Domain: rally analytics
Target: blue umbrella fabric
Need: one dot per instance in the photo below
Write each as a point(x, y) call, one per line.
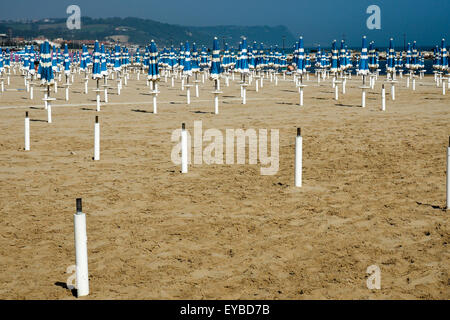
point(96, 68)
point(46, 71)
point(215, 64)
point(66, 60)
point(153, 68)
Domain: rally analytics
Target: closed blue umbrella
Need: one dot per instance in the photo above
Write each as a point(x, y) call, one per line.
point(181, 58)
point(244, 57)
point(32, 58)
point(436, 58)
point(137, 57)
point(301, 69)
point(195, 59)
point(26, 59)
point(172, 59)
point(46, 70)
point(215, 63)
point(103, 68)
point(363, 63)
point(342, 55)
point(187, 70)
point(7, 61)
point(117, 59)
point(372, 57)
point(83, 63)
point(66, 60)
point(334, 58)
point(1, 61)
point(390, 65)
point(96, 68)
point(54, 60)
point(203, 58)
point(153, 69)
point(414, 57)
point(408, 57)
point(444, 56)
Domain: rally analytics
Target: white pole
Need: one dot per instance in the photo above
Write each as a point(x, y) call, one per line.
point(188, 94)
point(67, 93)
point(336, 92)
point(343, 85)
point(96, 139)
point(184, 155)
point(31, 93)
point(98, 101)
point(448, 175)
point(106, 95)
point(196, 90)
point(56, 87)
point(172, 81)
point(216, 104)
point(244, 95)
point(298, 158)
point(414, 84)
point(256, 85)
point(443, 87)
point(393, 91)
point(86, 86)
point(81, 259)
point(301, 96)
point(383, 98)
point(155, 110)
point(27, 132)
point(49, 112)
point(363, 102)
point(407, 82)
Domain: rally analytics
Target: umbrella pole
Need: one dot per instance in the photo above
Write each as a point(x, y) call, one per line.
point(105, 81)
point(98, 94)
point(49, 106)
point(67, 87)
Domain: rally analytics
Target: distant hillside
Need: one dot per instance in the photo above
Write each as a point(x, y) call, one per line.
point(141, 31)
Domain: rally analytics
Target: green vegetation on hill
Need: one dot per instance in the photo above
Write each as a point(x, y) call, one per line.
point(141, 31)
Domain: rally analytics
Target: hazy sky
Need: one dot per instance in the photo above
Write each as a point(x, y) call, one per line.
point(319, 21)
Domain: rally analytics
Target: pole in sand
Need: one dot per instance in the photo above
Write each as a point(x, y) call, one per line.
point(184, 155)
point(27, 132)
point(96, 139)
point(81, 259)
point(298, 158)
point(383, 98)
point(448, 175)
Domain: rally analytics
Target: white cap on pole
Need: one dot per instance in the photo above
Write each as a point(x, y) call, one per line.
point(81, 259)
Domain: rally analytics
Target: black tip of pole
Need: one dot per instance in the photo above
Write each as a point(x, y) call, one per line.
point(79, 205)
point(449, 141)
point(26, 114)
point(299, 132)
point(183, 126)
point(96, 119)
point(382, 86)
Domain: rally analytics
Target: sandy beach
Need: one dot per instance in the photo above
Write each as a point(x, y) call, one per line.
point(373, 194)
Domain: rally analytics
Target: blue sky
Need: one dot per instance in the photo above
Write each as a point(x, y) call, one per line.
point(319, 21)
